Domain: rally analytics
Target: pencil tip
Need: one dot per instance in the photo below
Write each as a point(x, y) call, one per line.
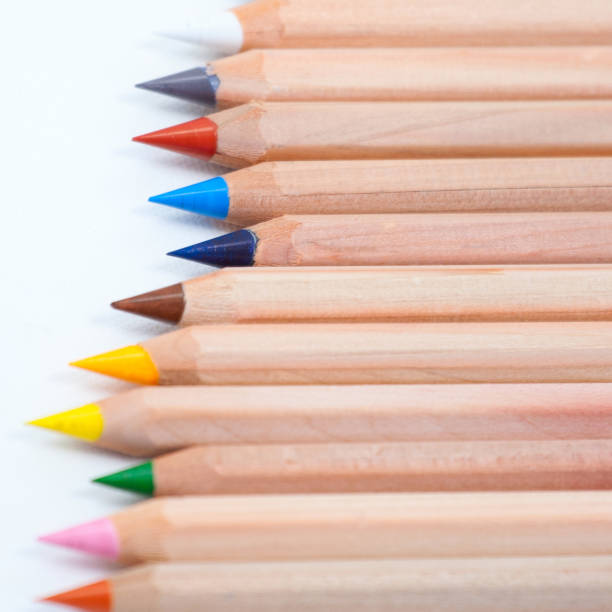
point(193, 85)
point(97, 538)
point(137, 479)
point(229, 250)
point(209, 197)
point(165, 304)
point(95, 597)
point(131, 363)
point(85, 422)
point(197, 138)
point(221, 32)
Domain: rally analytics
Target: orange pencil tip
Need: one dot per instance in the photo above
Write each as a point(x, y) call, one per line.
point(96, 597)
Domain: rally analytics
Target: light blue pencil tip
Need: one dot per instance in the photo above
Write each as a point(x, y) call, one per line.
point(209, 198)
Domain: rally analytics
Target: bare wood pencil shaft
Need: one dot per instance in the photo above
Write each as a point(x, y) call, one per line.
point(386, 466)
point(151, 420)
point(539, 584)
point(425, 239)
point(272, 189)
point(397, 23)
point(383, 353)
point(480, 73)
point(375, 525)
point(453, 293)
point(277, 131)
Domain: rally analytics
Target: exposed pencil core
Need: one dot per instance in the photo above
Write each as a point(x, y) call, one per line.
point(131, 363)
point(96, 538)
point(138, 479)
point(197, 138)
point(95, 597)
point(165, 304)
point(206, 198)
point(230, 250)
point(193, 85)
point(85, 422)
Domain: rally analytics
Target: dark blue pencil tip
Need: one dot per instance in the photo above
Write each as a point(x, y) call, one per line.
point(194, 85)
point(207, 198)
point(230, 250)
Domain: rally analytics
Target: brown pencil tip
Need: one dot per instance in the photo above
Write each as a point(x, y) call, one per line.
point(165, 304)
point(94, 597)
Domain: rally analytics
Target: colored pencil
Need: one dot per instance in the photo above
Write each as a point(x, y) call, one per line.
point(355, 525)
point(328, 294)
point(149, 421)
point(269, 190)
point(372, 467)
point(379, 74)
point(418, 239)
point(536, 584)
point(375, 353)
point(397, 23)
point(284, 131)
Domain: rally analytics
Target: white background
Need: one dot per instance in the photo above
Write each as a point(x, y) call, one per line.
point(77, 233)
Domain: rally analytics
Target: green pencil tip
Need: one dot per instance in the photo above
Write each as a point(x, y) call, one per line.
point(138, 479)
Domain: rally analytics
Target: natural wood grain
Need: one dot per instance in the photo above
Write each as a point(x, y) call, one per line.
point(282, 131)
point(381, 293)
point(382, 74)
point(399, 23)
point(435, 239)
point(384, 353)
point(366, 526)
point(271, 189)
point(151, 420)
point(538, 584)
point(372, 467)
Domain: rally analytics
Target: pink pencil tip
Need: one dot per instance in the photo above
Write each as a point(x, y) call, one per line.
point(96, 538)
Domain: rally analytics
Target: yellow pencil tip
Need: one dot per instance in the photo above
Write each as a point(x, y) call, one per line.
point(86, 422)
point(131, 363)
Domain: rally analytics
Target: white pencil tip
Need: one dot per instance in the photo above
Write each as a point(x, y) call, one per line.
point(221, 32)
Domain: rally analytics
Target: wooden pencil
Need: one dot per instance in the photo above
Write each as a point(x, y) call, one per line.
point(375, 353)
point(397, 23)
point(384, 74)
point(271, 189)
point(351, 526)
point(149, 421)
point(284, 131)
point(372, 467)
point(533, 584)
point(419, 239)
point(344, 294)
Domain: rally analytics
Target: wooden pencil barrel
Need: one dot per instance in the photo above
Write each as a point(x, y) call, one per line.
point(386, 467)
point(384, 353)
point(284, 131)
point(384, 74)
point(419, 23)
point(366, 526)
point(539, 584)
point(453, 293)
point(272, 189)
point(151, 420)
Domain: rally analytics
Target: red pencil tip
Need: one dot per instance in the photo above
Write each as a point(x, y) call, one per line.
point(94, 597)
point(197, 138)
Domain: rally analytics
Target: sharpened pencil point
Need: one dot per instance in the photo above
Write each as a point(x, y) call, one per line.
point(131, 363)
point(209, 198)
point(194, 85)
point(229, 250)
point(197, 138)
point(138, 479)
point(85, 422)
point(165, 304)
point(96, 538)
point(94, 597)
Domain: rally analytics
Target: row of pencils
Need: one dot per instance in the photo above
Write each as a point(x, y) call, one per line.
point(396, 394)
